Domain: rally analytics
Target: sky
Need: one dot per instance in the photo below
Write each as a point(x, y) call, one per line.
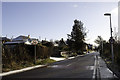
point(54, 20)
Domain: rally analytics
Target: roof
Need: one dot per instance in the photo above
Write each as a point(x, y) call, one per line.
point(20, 38)
point(18, 42)
point(8, 43)
point(4, 38)
point(32, 39)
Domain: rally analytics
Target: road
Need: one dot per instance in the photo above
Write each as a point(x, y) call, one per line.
point(79, 67)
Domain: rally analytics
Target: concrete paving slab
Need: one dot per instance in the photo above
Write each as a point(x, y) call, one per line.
point(105, 72)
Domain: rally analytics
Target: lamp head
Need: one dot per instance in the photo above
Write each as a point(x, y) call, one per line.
point(107, 14)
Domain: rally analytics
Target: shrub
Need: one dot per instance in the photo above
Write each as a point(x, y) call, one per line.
point(21, 55)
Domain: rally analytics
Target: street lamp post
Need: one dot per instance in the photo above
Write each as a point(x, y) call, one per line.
point(35, 55)
point(111, 38)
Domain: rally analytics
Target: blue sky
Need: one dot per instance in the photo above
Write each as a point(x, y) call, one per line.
point(54, 20)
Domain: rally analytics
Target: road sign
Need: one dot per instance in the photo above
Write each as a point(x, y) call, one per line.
point(34, 42)
point(111, 40)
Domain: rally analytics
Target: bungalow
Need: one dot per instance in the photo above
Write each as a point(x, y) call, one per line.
point(4, 39)
point(23, 39)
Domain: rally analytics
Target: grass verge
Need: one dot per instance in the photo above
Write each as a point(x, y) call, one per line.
point(17, 66)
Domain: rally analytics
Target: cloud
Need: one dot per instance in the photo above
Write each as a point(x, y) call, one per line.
point(75, 5)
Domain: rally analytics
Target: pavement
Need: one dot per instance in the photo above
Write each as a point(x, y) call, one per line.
point(102, 71)
point(90, 66)
point(57, 59)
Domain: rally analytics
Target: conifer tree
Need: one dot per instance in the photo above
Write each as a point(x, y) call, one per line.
point(77, 37)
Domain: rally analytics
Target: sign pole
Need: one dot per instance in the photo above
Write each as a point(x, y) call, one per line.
point(34, 42)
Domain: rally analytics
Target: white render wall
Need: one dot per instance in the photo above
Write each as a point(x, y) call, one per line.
point(119, 21)
point(119, 32)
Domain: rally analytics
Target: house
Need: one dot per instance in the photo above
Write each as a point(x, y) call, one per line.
point(33, 41)
point(23, 39)
point(4, 39)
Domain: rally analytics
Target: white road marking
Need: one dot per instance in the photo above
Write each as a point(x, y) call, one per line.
point(94, 71)
point(54, 66)
point(109, 70)
point(69, 65)
point(90, 67)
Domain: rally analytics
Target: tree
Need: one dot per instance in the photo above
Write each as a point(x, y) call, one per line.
point(77, 37)
point(62, 45)
point(98, 40)
point(100, 43)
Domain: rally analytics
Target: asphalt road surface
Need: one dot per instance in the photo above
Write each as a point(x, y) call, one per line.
point(79, 67)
